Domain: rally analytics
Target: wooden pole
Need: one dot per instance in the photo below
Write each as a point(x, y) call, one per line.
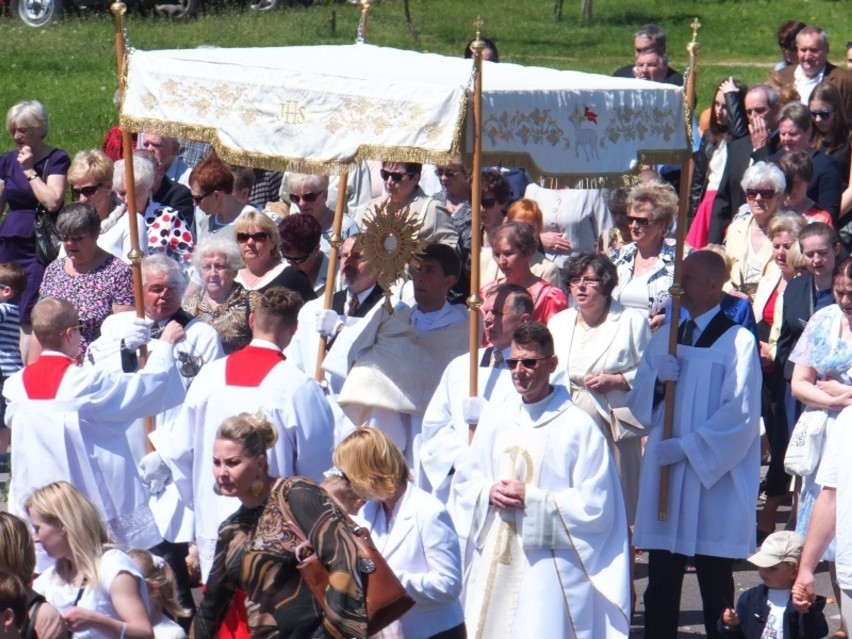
point(135, 255)
point(676, 289)
point(474, 302)
point(331, 275)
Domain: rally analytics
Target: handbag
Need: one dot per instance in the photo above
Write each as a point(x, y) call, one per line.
point(385, 597)
point(805, 447)
point(45, 234)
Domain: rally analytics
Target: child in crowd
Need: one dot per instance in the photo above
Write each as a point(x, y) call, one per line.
point(162, 593)
point(766, 611)
point(13, 281)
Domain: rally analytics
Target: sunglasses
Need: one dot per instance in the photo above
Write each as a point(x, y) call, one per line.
point(260, 236)
point(487, 202)
point(641, 221)
point(198, 199)
point(78, 327)
point(450, 173)
point(766, 194)
point(584, 281)
point(71, 238)
point(307, 197)
point(822, 115)
point(395, 176)
point(295, 260)
point(527, 362)
point(88, 191)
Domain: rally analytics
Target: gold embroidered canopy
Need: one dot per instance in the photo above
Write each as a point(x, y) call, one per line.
point(323, 109)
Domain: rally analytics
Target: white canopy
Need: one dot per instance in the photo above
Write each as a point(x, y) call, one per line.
point(321, 109)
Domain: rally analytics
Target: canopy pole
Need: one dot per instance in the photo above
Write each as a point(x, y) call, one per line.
point(676, 289)
point(474, 302)
point(119, 9)
point(331, 275)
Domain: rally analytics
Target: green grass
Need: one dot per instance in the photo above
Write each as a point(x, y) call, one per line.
point(70, 66)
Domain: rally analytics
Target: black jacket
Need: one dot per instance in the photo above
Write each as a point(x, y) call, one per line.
point(753, 608)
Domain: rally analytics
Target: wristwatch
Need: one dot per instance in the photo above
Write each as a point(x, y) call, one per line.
point(32, 177)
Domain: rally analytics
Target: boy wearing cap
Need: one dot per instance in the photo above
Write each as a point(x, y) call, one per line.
point(766, 611)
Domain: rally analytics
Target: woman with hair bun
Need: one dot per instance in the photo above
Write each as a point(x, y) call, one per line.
point(255, 552)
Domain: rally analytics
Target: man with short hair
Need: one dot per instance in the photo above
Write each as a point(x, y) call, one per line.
point(256, 378)
point(762, 106)
point(69, 423)
point(166, 149)
point(651, 39)
point(548, 552)
point(713, 455)
point(814, 67)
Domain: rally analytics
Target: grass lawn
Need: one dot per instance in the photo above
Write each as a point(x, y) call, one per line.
point(70, 66)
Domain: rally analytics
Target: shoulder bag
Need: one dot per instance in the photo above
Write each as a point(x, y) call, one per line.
point(805, 447)
point(44, 229)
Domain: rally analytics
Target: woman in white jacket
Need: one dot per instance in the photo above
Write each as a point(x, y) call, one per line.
point(412, 530)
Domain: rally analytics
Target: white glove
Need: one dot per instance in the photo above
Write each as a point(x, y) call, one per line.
point(668, 367)
point(139, 333)
point(472, 409)
point(154, 472)
point(328, 323)
point(670, 451)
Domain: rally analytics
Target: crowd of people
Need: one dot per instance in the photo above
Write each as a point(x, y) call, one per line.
point(231, 431)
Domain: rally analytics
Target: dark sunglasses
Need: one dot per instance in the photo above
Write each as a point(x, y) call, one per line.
point(395, 176)
point(766, 194)
point(295, 260)
point(88, 191)
point(822, 115)
point(307, 197)
point(450, 173)
point(260, 236)
point(641, 221)
point(71, 238)
point(527, 362)
point(198, 199)
point(487, 202)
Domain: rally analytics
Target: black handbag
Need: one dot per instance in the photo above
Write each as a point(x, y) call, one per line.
point(44, 230)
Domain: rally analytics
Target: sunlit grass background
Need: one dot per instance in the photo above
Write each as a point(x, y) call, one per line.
point(70, 66)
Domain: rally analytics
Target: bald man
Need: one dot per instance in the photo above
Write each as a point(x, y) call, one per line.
point(713, 455)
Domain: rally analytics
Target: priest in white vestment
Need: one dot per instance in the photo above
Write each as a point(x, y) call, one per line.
point(548, 550)
point(713, 455)
point(68, 423)
point(256, 378)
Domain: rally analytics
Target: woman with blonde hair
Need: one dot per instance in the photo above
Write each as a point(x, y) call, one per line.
point(256, 549)
point(162, 589)
point(17, 556)
point(411, 528)
point(97, 587)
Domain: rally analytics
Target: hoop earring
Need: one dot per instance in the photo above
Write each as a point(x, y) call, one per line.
point(256, 487)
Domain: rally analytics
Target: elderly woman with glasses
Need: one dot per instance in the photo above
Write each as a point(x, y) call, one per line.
point(646, 265)
point(92, 180)
point(309, 193)
point(95, 281)
point(401, 181)
point(221, 301)
point(748, 244)
point(258, 239)
point(599, 344)
point(31, 176)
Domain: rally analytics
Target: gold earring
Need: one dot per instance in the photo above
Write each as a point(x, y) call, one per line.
point(256, 487)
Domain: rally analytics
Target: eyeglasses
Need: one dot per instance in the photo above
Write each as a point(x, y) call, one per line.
point(487, 202)
point(198, 199)
point(260, 236)
point(78, 327)
point(88, 191)
point(71, 238)
point(584, 281)
point(822, 115)
point(306, 197)
point(450, 173)
point(395, 176)
point(766, 194)
point(527, 362)
point(641, 221)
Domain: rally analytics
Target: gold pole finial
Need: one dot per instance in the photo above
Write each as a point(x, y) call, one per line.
point(696, 25)
point(478, 24)
point(478, 44)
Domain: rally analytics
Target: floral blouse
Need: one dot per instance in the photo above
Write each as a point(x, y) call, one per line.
point(821, 348)
point(659, 281)
point(254, 554)
point(230, 319)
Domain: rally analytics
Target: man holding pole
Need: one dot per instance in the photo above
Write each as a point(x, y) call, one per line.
point(712, 458)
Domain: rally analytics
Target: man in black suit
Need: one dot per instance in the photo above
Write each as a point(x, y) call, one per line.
point(650, 39)
point(762, 105)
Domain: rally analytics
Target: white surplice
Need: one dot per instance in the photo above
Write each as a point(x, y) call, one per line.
point(711, 495)
point(291, 400)
point(80, 437)
point(560, 566)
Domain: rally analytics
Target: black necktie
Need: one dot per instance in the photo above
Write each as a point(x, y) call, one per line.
point(688, 334)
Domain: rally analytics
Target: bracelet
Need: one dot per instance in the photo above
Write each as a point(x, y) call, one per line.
point(123, 630)
point(30, 178)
